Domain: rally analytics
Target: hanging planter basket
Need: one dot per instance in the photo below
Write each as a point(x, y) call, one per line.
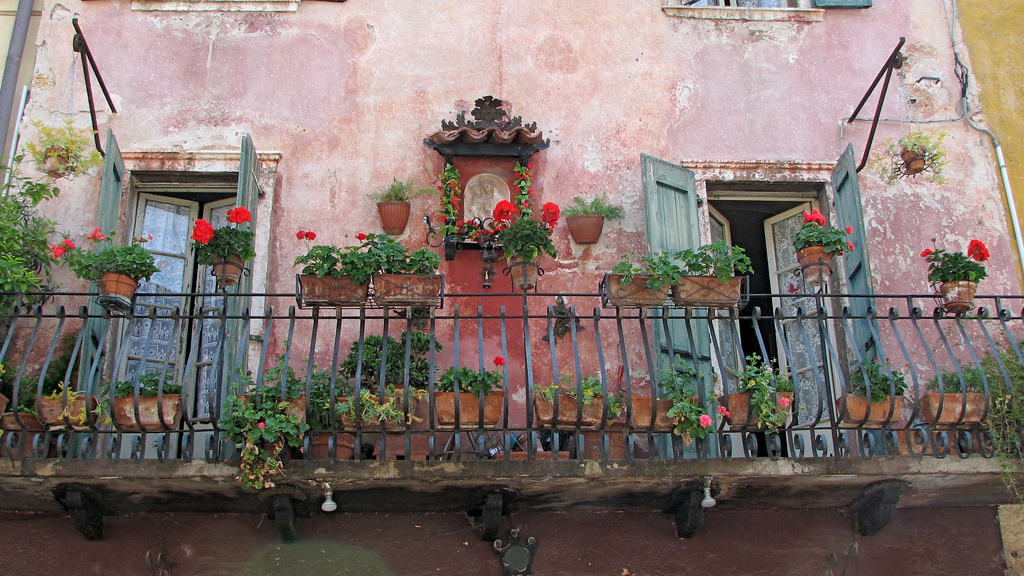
point(815, 265)
point(227, 271)
point(585, 228)
point(524, 274)
point(394, 216)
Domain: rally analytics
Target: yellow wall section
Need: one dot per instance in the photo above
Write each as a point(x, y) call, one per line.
point(995, 39)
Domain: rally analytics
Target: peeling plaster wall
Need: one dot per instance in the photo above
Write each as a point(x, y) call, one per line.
point(346, 92)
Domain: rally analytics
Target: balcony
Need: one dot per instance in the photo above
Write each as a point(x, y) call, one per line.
point(932, 450)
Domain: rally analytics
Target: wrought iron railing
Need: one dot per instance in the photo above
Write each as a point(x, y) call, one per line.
point(815, 341)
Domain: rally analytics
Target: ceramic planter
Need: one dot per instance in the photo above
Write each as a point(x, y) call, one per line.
point(524, 273)
point(227, 271)
point(567, 411)
point(585, 228)
point(394, 216)
point(344, 447)
point(641, 415)
point(20, 421)
point(815, 265)
point(329, 291)
point(116, 291)
point(952, 406)
point(3, 403)
point(149, 413)
point(739, 409)
point(391, 290)
point(958, 295)
point(55, 163)
point(913, 162)
point(51, 412)
point(707, 292)
point(635, 293)
point(853, 410)
point(469, 409)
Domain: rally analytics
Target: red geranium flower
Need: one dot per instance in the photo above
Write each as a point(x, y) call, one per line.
point(58, 251)
point(310, 235)
point(549, 213)
point(239, 215)
point(360, 236)
point(202, 232)
point(499, 361)
point(926, 252)
point(505, 211)
point(97, 234)
point(300, 234)
point(68, 242)
point(814, 216)
point(849, 229)
point(978, 251)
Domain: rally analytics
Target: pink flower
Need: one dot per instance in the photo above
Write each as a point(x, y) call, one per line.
point(262, 425)
point(69, 243)
point(239, 215)
point(724, 411)
point(499, 361)
point(784, 401)
point(705, 420)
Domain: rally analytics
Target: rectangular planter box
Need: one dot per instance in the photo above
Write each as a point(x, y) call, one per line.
point(739, 409)
point(149, 416)
point(952, 407)
point(641, 416)
point(391, 290)
point(634, 294)
point(51, 409)
point(857, 407)
point(707, 292)
point(329, 291)
point(567, 411)
point(469, 409)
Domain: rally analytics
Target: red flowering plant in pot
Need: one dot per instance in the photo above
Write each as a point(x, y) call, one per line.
point(117, 269)
point(523, 237)
point(226, 248)
point(333, 276)
point(816, 243)
point(955, 275)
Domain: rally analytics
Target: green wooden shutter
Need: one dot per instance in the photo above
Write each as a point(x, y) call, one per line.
point(108, 213)
point(670, 201)
point(842, 3)
point(850, 213)
point(248, 195)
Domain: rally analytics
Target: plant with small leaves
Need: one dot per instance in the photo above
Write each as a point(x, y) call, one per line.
point(678, 385)
point(372, 410)
point(891, 165)
point(395, 365)
point(878, 375)
point(757, 380)
point(262, 427)
point(597, 206)
point(946, 266)
point(68, 148)
point(226, 242)
point(816, 232)
point(718, 259)
point(132, 260)
point(662, 268)
point(398, 191)
point(479, 384)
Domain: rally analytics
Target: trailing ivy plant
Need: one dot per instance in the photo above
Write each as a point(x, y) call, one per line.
point(597, 206)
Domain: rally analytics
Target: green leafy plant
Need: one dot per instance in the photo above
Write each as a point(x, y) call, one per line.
point(394, 367)
point(597, 206)
point(591, 389)
point(398, 191)
point(816, 232)
point(262, 427)
point(877, 373)
point(679, 386)
point(225, 242)
point(891, 165)
point(946, 266)
point(479, 384)
point(371, 409)
point(70, 144)
point(149, 385)
point(756, 379)
point(525, 238)
point(132, 260)
point(662, 268)
point(717, 259)
point(25, 255)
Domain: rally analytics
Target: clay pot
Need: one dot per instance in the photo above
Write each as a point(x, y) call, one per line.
point(913, 162)
point(51, 409)
point(344, 447)
point(852, 410)
point(524, 273)
point(958, 295)
point(567, 411)
point(329, 291)
point(815, 265)
point(469, 408)
point(227, 271)
point(394, 216)
point(149, 416)
point(373, 424)
point(407, 289)
point(635, 293)
point(9, 421)
point(55, 162)
point(952, 407)
point(707, 291)
point(641, 416)
point(585, 228)
point(3, 403)
point(116, 291)
point(739, 408)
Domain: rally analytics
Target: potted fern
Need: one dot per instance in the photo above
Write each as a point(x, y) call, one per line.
point(912, 154)
point(393, 204)
point(585, 218)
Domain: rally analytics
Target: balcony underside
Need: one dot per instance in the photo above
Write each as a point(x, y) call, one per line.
point(399, 486)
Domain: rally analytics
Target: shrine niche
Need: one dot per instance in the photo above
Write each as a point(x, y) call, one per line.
point(484, 162)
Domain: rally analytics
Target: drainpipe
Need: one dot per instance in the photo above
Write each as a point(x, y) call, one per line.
point(1006, 184)
point(12, 67)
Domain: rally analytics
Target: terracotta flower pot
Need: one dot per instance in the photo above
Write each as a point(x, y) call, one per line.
point(567, 411)
point(407, 289)
point(524, 273)
point(3, 403)
point(635, 293)
point(394, 216)
point(344, 447)
point(815, 264)
point(853, 409)
point(116, 291)
point(51, 411)
point(149, 416)
point(10, 421)
point(329, 291)
point(227, 271)
point(641, 416)
point(952, 407)
point(707, 291)
point(958, 295)
point(739, 408)
point(349, 422)
point(469, 408)
point(585, 228)
point(913, 162)
point(55, 162)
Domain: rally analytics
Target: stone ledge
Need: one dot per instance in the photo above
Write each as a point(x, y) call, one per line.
point(751, 14)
